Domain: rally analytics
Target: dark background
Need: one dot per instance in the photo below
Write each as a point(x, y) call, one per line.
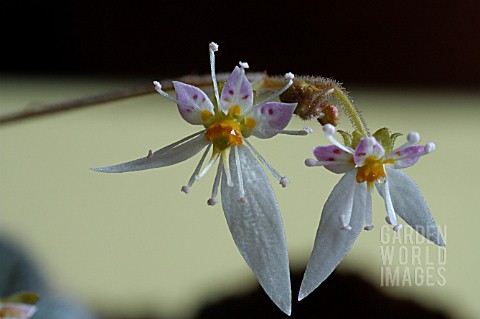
point(408, 43)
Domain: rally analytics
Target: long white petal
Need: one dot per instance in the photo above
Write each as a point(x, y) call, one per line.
point(257, 227)
point(163, 157)
point(410, 205)
point(331, 243)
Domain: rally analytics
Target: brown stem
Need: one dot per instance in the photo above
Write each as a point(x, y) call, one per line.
point(197, 80)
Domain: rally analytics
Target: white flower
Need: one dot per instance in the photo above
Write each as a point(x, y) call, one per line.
point(349, 207)
point(248, 200)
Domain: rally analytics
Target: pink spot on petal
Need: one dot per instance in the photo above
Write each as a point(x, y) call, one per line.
point(270, 111)
point(336, 151)
point(331, 159)
point(195, 97)
point(203, 100)
point(362, 154)
point(231, 92)
point(245, 97)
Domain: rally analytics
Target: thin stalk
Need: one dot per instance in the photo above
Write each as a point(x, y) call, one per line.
point(351, 110)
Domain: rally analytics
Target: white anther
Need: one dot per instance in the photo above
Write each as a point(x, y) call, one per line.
point(368, 227)
point(329, 129)
point(185, 189)
point(429, 147)
point(211, 201)
point(413, 137)
point(158, 86)
point(310, 162)
point(348, 227)
point(213, 46)
point(244, 65)
point(397, 227)
point(289, 76)
point(284, 181)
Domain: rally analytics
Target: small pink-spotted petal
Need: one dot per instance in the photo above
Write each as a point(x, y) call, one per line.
point(407, 157)
point(271, 117)
point(192, 102)
point(341, 161)
point(367, 147)
point(237, 91)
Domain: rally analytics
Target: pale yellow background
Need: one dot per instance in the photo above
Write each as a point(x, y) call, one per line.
point(134, 242)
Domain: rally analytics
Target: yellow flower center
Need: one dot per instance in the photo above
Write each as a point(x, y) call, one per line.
point(224, 134)
point(371, 171)
point(225, 131)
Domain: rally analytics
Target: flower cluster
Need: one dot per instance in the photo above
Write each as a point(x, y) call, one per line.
point(368, 161)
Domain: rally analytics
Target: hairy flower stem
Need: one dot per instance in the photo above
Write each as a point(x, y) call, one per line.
point(351, 110)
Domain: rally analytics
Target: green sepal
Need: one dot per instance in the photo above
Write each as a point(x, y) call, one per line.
point(386, 139)
point(383, 137)
point(25, 297)
point(347, 138)
point(356, 136)
point(393, 137)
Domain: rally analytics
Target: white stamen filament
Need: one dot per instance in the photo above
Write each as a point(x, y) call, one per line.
point(212, 200)
point(198, 168)
point(239, 172)
point(213, 47)
point(158, 88)
point(329, 130)
point(289, 76)
point(226, 165)
point(368, 208)
point(305, 131)
point(392, 217)
point(345, 218)
point(310, 162)
point(272, 170)
point(207, 167)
